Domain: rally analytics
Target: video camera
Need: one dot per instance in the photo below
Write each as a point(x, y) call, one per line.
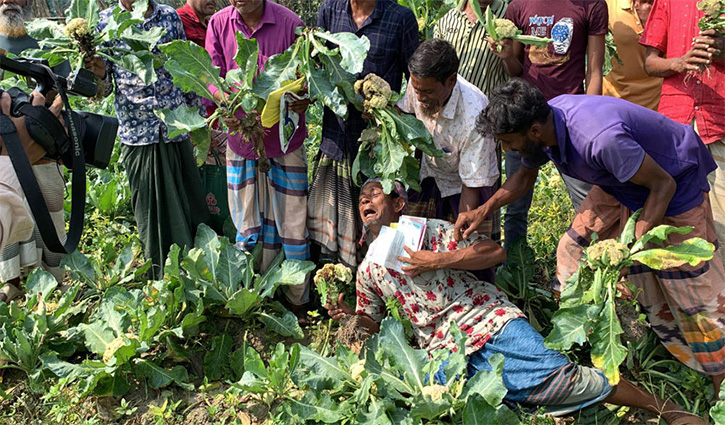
point(96, 132)
point(88, 141)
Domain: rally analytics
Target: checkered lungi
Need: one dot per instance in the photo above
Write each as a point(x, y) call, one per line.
point(334, 222)
point(271, 207)
point(684, 305)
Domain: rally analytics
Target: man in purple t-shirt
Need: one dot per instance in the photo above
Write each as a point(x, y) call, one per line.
point(635, 158)
point(267, 207)
point(570, 64)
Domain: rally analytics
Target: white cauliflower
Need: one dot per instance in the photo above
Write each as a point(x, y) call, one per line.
point(505, 28)
point(435, 391)
point(375, 91)
point(357, 369)
point(607, 253)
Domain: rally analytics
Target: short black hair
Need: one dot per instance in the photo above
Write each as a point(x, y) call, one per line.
point(512, 108)
point(434, 58)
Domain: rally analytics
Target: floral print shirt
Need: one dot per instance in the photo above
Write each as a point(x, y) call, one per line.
point(433, 299)
point(135, 100)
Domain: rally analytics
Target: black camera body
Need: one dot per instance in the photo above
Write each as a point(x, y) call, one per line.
point(97, 133)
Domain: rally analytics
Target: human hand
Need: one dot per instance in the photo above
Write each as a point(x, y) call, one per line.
point(696, 59)
point(715, 42)
point(642, 227)
point(507, 47)
point(33, 151)
point(340, 309)
point(469, 221)
point(299, 106)
point(420, 262)
point(96, 65)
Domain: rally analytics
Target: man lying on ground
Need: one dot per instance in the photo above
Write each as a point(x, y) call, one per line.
point(436, 289)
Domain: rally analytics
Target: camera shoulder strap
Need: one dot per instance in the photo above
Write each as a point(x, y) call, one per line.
point(34, 196)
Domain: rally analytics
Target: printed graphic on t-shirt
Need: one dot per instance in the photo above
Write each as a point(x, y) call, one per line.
point(562, 32)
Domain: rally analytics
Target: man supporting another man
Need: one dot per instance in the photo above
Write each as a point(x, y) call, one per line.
point(437, 289)
point(268, 208)
point(636, 158)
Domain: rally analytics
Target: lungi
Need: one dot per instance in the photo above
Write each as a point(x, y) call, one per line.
point(271, 207)
point(684, 305)
point(333, 219)
point(166, 197)
point(33, 252)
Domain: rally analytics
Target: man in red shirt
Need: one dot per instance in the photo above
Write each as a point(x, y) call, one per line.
point(693, 66)
point(194, 15)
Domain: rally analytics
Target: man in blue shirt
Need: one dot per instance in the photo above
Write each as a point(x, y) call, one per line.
point(165, 183)
point(393, 33)
point(635, 158)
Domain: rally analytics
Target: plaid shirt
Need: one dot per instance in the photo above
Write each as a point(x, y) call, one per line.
point(393, 34)
point(135, 101)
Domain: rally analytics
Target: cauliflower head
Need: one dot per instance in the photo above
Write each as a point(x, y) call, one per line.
point(607, 253)
point(435, 392)
point(77, 28)
point(505, 28)
point(710, 7)
point(357, 369)
point(375, 91)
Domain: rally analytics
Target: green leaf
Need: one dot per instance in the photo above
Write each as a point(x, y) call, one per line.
point(278, 69)
point(426, 409)
point(41, 29)
point(67, 370)
point(98, 336)
point(321, 373)
point(412, 130)
point(658, 236)
point(286, 325)
point(353, 49)
point(159, 377)
point(405, 359)
point(190, 66)
point(234, 267)
point(79, 267)
point(181, 120)
point(201, 140)
point(138, 63)
point(216, 360)
point(322, 89)
point(488, 383)
point(628, 233)
point(478, 412)
point(253, 363)
point(86, 9)
point(692, 251)
point(246, 58)
point(208, 241)
point(241, 303)
point(40, 282)
point(290, 272)
point(607, 349)
point(125, 352)
point(140, 40)
point(314, 408)
point(112, 385)
point(571, 326)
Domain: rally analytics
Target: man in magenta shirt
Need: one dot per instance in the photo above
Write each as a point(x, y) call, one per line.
point(636, 159)
point(268, 208)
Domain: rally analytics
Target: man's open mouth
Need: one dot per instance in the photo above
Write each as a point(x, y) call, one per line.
point(369, 212)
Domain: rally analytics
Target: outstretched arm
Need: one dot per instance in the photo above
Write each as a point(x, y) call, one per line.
point(478, 256)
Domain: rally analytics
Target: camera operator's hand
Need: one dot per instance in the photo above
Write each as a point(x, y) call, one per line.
point(33, 150)
point(96, 65)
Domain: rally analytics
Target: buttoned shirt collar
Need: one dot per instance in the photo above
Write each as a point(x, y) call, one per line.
point(377, 14)
point(267, 18)
point(449, 110)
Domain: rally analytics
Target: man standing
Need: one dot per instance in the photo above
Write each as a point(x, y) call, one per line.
point(693, 92)
point(32, 252)
point(195, 16)
point(637, 159)
point(268, 208)
point(629, 80)
point(478, 65)
point(165, 183)
point(437, 290)
point(448, 105)
point(393, 33)
point(570, 64)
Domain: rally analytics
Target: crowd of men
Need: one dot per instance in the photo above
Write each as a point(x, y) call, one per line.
point(655, 141)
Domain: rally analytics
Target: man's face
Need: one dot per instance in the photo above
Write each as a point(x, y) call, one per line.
point(203, 8)
point(431, 93)
point(376, 208)
point(643, 8)
point(245, 7)
point(527, 147)
point(13, 14)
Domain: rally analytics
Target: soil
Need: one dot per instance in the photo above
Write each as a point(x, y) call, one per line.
point(634, 330)
point(351, 333)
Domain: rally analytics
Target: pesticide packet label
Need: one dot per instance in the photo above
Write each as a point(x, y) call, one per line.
point(390, 243)
point(289, 121)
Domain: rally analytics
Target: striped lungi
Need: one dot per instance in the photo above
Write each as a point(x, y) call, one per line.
point(684, 305)
point(334, 222)
point(717, 191)
point(272, 207)
point(33, 252)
